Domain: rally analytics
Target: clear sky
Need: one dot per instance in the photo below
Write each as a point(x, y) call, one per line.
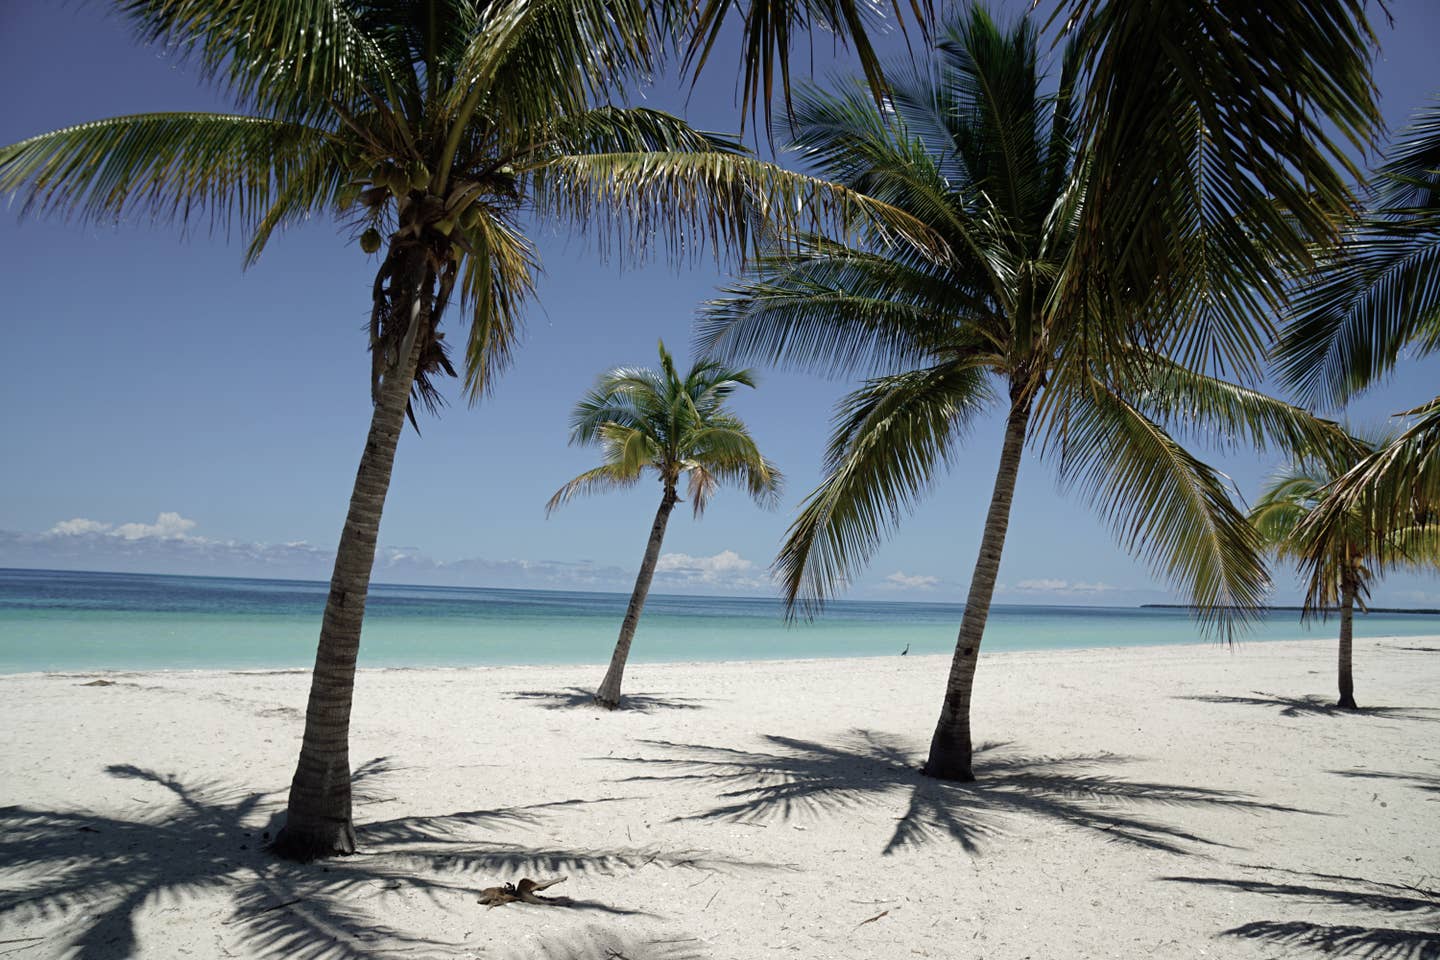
point(168, 411)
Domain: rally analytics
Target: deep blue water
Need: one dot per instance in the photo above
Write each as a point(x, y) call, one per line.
point(62, 620)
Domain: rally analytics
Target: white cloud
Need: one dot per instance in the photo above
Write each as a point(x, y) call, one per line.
point(725, 569)
point(724, 562)
point(900, 580)
point(1052, 585)
point(167, 526)
point(77, 527)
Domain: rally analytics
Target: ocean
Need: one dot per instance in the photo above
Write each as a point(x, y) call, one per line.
point(66, 621)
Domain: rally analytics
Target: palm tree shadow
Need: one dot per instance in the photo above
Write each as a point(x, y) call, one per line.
point(601, 943)
point(1369, 901)
point(1427, 782)
point(1315, 705)
point(572, 697)
point(799, 779)
point(96, 872)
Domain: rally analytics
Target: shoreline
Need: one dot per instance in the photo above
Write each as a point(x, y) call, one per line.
point(1214, 647)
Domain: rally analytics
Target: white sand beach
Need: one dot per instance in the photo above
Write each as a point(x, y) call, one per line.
point(1162, 802)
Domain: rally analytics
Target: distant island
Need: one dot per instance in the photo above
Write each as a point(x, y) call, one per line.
point(1187, 606)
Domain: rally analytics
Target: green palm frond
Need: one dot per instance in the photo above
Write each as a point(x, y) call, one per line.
point(610, 129)
point(497, 280)
point(826, 306)
point(725, 201)
point(769, 29)
point(1395, 488)
point(174, 166)
point(289, 58)
point(601, 479)
point(1165, 505)
point(1229, 415)
point(516, 51)
point(891, 438)
point(1379, 289)
point(1198, 115)
point(1282, 507)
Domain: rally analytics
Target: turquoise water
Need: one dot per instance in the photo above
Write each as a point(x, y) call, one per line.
point(55, 620)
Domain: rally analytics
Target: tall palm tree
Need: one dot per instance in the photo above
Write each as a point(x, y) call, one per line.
point(1363, 303)
point(971, 145)
point(678, 427)
point(431, 129)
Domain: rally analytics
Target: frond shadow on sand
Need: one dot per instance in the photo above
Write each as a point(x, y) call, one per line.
point(1392, 921)
point(795, 779)
point(593, 942)
point(1314, 705)
point(572, 697)
point(1427, 782)
point(86, 876)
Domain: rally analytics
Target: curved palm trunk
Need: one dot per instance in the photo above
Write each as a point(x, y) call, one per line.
point(608, 695)
point(318, 822)
point(950, 747)
point(1347, 626)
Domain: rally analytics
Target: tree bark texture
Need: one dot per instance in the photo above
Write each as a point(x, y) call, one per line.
point(951, 750)
point(1348, 587)
point(318, 820)
point(608, 695)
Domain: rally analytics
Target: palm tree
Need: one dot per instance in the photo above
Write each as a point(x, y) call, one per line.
point(1279, 516)
point(431, 130)
point(971, 145)
point(645, 419)
point(1337, 559)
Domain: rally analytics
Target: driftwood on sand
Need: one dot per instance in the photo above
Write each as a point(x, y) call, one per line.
point(522, 892)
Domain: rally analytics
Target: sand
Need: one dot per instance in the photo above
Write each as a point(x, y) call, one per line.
point(1164, 802)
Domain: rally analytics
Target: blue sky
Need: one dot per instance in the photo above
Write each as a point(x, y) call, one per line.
point(171, 412)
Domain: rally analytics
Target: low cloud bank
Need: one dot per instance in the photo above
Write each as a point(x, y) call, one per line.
point(171, 545)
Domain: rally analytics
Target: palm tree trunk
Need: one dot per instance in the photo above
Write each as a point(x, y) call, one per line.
point(1347, 626)
point(318, 821)
point(950, 747)
point(608, 695)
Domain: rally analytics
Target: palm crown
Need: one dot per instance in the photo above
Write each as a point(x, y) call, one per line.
point(973, 148)
point(646, 419)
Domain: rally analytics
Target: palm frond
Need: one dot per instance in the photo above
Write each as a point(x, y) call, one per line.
point(518, 49)
point(1164, 505)
point(769, 29)
point(1201, 115)
point(289, 59)
point(891, 438)
point(601, 479)
point(1379, 289)
point(831, 308)
point(609, 129)
point(497, 280)
point(688, 202)
point(1395, 488)
point(175, 166)
point(1229, 415)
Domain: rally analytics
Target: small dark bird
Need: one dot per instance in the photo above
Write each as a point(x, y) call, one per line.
point(906, 650)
